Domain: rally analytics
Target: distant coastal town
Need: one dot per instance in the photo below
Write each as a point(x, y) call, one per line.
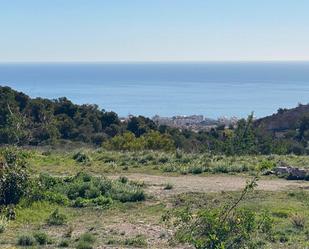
point(192, 122)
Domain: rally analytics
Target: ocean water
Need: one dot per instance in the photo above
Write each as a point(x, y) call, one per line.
point(167, 89)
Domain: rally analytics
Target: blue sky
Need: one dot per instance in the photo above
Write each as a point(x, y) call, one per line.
point(154, 30)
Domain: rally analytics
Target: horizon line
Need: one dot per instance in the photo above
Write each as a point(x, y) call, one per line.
point(152, 61)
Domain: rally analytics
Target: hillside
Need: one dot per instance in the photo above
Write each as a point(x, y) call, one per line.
point(284, 119)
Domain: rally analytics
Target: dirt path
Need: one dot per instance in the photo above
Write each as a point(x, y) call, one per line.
point(216, 183)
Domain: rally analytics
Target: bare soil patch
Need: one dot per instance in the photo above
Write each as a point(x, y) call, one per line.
point(215, 183)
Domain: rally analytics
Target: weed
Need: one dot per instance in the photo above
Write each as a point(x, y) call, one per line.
point(87, 237)
point(86, 241)
point(81, 157)
point(42, 238)
point(3, 223)
point(168, 186)
point(137, 241)
point(56, 218)
point(298, 221)
point(64, 243)
point(69, 231)
point(26, 240)
point(123, 179)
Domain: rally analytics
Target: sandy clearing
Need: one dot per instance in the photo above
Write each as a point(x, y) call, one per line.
point(215, 183)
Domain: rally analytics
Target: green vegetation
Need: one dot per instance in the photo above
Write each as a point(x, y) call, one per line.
point(222, 227)
point(26, 240)
point(42, 238)
point(60, 123)
point(84, 208)
point(86, 241)
point(152, 140)
point(56, 218)
point(70, 185)
point(156, 162)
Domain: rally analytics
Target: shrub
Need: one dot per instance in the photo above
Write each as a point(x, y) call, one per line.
point(81, 157)
point(221, 169)
point(42, 238)
point(14, 177)
point(87, 237)
point(103, 201)
point(267, 165)
point(64, 243)
point(68, 232)
point(3, 223)
point(163, 159)
point(137, 241)
point(80, 202)
point(196, 170)
point(26, 240)
point(298, 221)
point(86, 241)
point(168, 186)
point(228, 226)
point(126, 193)
point(152, 140)
point(123, 179)
point(169, 168)
point(57, 198)
point(84, 245)
point(56, 218)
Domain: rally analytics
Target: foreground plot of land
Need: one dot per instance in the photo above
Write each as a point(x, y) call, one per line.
point(140, 225)
point(214, 183)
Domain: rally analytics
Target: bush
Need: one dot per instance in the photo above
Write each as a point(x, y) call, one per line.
point(196, 170)
point(81, 157)
point(152, 140)
point(57, 198)
point(228, 226)
point(298, 221)
point(103, 201)
point(169, 168)
point(85, 190)
point(64, 243)
point(221, 169)
point(86, 241)
point(126, 193)
point(80, 202)
point(14, 177)
point(168, 186)
point(84, 245)
point(3, 223)
point(123, 179)
point(137, 241)
point(56, 218)
point(26, 240)
point(42, 238)
point(87, 237)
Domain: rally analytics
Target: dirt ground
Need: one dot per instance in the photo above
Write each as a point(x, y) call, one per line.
point(215, 183)
point(187, 184)
point(145, 217)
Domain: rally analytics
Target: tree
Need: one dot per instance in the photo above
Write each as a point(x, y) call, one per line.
point(14, 131)
point(244, 139)
point(303, 134)
point(140, 125)
point(14, 176)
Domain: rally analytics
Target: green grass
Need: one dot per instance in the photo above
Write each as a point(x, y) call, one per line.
point(97, 214)
point(99, 161)
point(282, 206)
point(289, 211)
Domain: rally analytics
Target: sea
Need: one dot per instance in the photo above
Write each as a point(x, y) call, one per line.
point(212, 89)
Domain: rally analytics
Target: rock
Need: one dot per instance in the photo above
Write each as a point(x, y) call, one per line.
point(292, 173)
